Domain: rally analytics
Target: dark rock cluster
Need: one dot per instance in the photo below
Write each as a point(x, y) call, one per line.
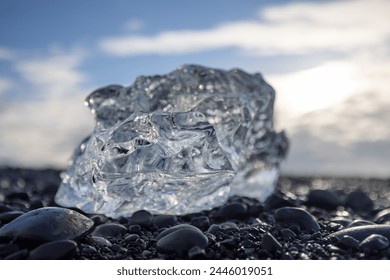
point(305, 218)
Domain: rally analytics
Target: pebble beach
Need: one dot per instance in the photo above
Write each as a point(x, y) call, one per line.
point(306, 218)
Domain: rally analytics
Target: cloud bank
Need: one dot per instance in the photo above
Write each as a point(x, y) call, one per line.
point(44, 129)
point(296, 28)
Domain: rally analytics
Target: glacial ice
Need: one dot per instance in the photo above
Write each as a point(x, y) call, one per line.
point(175, 144)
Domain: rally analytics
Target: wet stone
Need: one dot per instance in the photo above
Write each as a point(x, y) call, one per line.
point(175, 228)
point(359, 201)
point(214, 229)
point(181, 238)
point(325, 199)
point(247, 243)
point(383, 217)
point(357, 223)
point(164, 221)
point(344, 221)
point(135, 229)
point(362, 232)
point(233, 210)
point(88, 250)
point(291, 215)
point(54, 250)
point(270, 244)
point(6, 217)
point(98, 219)
point(348, 242)
point(255, 210)
point(374, 243)
point(146, 254)
point(196, 253)
point(100, 241)
point(288, 233)
point(7, 249)
point(131, 238)
point(47, 224)
point(142, 218)
point(201, 222)
point(278, 200)
point(226, 227)
point(18, 255)
point(109, 230)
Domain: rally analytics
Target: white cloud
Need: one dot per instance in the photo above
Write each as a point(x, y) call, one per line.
point(54, 75)
point(290, 29)
point(6, 54)
point(5, 84)
point(313, 155)
point(45, 130)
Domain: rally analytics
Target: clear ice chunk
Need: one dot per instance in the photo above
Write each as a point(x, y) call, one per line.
point(176, 144)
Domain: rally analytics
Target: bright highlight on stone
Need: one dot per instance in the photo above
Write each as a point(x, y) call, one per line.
point(175, 144)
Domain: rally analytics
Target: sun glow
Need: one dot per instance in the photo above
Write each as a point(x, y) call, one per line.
point(316, 88)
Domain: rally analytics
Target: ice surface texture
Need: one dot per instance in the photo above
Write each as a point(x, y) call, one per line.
point(175, 144)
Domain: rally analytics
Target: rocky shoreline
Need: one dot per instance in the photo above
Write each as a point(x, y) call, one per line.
point(305, 218)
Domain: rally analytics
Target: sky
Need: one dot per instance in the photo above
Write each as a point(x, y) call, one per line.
point(328, 61)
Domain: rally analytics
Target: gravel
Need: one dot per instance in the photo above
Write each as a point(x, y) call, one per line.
point(305, 218)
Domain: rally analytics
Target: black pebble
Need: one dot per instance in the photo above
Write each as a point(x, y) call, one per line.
point(181, 238)
point(54, 250)
point(288, 233)
point(7, 249)
point(18, 255)
point(294, 215)
point(256, 209)
point(278, 200)
point(359, 201)
point(131, 238)
point(214, 228)
point(135, 229)
point(226, 227)
point(201, 222)
point(362, 232)
point(344, 221)
point(142, 218)
point(47, 224)
point(270, 244)
point(325, 199)
point(233, 210)
point(196, 253)
point(99, 241)
point(6, 217)
point(383, 217)
point(374, 243)
point(164, 221)
point(175, 228)
point(348, 242)
point(99, 219)
point(357, 223)
point(109, 230)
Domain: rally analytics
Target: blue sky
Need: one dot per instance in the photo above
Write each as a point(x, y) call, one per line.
point(329, 62)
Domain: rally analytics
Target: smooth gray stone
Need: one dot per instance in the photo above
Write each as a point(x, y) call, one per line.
point(47, 224)
point(362, 232)
point(54, 250)
point(109, 230)
point(179, 239)
point(294, 215)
